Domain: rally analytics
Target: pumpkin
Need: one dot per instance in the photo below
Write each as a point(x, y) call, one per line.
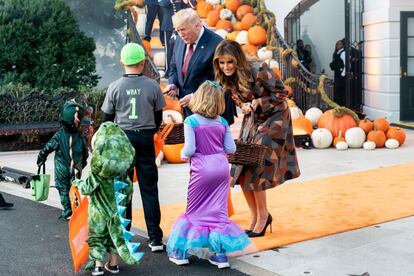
point(304, 124)
point(291, 103)
point(369, 145)
point(355, 137)
point(203, 8)
point(378, 137)
point(243, 10)
point(155, 42)
point(397, 134)
point(214, 2)
point(381, 124)
point(172, 153)
point(256, 35)
point(147, 46)
point(159, 59)
point(159, 158)
point(232, 35)
point(335, 124)
point(247, 21)
point(392, 144)
point(272, 63)
point(225, 25)
point(341, 145)
point(241, 37)
point(295, 113)
point(249, 49)
point(366, 125)
point(222, 33)
point(232, 5)
point(219, 7)
point(172, 116)
point(289, 89)
point(212, 18)
point(277, 72)
point(226, 14)
point(295, 63)
point(338, 139)
point(313, 114)
point(172, 104)
point(237, 26)
point(321, 138)
point(263, 53)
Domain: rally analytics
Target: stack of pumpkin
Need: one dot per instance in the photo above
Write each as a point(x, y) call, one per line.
point(343, 132)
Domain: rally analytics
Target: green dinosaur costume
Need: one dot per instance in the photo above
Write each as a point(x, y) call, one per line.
point(67, 138)
point(109, 187)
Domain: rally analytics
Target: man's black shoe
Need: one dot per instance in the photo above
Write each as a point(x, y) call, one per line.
point(4, 204)
point(156, 246)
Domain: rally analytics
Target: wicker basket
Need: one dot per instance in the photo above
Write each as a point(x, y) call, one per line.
point(176, 135)
point(248, 154)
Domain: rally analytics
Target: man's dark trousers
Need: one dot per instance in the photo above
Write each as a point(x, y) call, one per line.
point(147, 172)
point(153, 12)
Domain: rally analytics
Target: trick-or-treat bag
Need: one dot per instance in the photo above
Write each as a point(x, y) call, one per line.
point(78, 228)
point(39, 184)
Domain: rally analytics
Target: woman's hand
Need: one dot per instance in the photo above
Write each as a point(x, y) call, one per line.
point(249, 107)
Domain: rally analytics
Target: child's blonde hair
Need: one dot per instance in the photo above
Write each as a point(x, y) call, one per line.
point(208, 100)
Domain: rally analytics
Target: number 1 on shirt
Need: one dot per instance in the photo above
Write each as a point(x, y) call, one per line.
point(133, 103)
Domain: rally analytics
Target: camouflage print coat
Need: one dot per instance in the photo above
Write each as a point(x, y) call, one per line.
point(112, 157)
point(272, 127)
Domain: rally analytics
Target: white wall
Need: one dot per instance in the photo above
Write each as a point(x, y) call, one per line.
point(382, 57)
point(281, 8)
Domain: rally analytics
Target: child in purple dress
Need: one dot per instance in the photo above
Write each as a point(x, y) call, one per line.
point(205, 223)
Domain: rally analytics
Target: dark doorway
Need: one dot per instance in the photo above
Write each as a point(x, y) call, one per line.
point(407, 67)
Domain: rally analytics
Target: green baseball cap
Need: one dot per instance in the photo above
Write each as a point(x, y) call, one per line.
point(132, 53)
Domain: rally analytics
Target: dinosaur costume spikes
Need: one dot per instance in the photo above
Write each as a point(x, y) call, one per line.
point(119, 197)
point(127, 235)
point(119, 185)
point(125, 222)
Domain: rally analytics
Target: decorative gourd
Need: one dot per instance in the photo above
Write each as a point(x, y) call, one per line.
point(304, 124)
point(313, 114)
point(277, 72)
point(232, 35)
point(214, 2)
point(159, 158)
point(237, 26)
point(341, 145)
point(291, 103)
point(172, 104)
point(369, 145)
point(355, 137)
point(159, 59)
point(321, 138)
point(172, 153)
point(243, 10)
point(335, 124)
point(172, 116)
point(222, 33)
point(381, 124)
point(225, 25)
point(295, 113)
point(392, 144)
point(256, 35)
point(241, 37)
point(338, 139)
point(289, 90)
point(397, 134)
point(226, 14)
point(219, 7)
point(366, 125)
point(272, 63)
point(378, 137)
point(232, 5)
point(247, 21)
point(264, 54)
point(212, 18)
point(203, 8)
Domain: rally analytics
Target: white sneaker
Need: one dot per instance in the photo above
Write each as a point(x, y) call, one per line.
point(179, 262)
point(156, 246)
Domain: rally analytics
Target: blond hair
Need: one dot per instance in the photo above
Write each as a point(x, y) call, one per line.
point(185, 16)
point(208, 100)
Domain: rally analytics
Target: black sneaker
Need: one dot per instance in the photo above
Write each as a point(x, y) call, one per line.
point(98, 271)
point(6, 205)
point(114, 269)
point(156, 246)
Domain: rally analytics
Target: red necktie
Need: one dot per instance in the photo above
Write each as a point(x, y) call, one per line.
point(187, 58)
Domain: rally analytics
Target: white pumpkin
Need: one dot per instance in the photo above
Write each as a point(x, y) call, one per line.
point(159, 159)
point(159, 59)
point(392, 144)
point(226, 14)
point(272, 63)
point(355, 137)
point(214, 2)
point(222, 33)
point(369, 145)
point(142, 20)
point(162, 73)
point(241, 37)
point(341, 145)
point(321, 138)
point(313, 114)
point(295, 113)
point(172, 116)
point(264, 54)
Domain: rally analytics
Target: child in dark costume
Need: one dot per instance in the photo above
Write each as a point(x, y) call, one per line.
point(70, 150)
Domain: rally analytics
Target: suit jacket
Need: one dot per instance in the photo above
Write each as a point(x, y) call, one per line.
point(200, 67)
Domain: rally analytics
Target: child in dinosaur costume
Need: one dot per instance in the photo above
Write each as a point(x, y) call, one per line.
point(109, 189)
point(71, 153)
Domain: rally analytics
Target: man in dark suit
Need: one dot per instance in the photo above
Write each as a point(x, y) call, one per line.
point(192, 60)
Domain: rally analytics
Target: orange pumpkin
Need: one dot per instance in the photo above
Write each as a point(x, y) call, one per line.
point(172, 153)
point(172, 104)
point(336, 124)
point(232, 5)
point(378, 137)
point(203, 8)
point(243, 10)
point(303, 124)
point(366, 125)
point(338, 138)
point(256, 35)
point(212, 18)
point(381, 124)
point(397, 134)
point(218, 7)
point(225, 25)
point(279, 74)
point(249, 49)
point(237, 26)
point(247, 21)
point(147, 47)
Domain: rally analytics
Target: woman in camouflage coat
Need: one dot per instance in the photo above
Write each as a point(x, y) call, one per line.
point(260, 94)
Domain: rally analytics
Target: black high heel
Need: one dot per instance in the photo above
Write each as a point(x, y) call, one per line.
point(261, 234)
point(247, 231)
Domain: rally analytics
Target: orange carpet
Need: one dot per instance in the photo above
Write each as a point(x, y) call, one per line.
point(315, 208)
